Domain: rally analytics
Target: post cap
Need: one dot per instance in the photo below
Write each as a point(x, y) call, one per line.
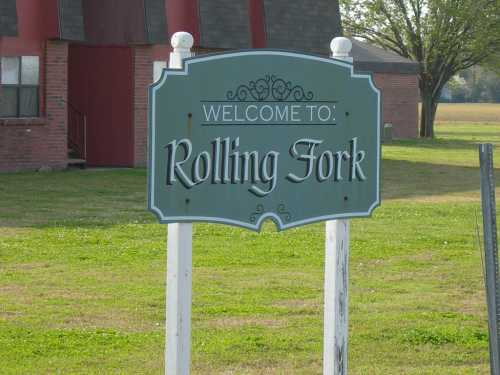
point(182, 40)
point(341, 47)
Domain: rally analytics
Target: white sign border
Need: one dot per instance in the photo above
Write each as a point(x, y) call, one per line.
point(266, 215)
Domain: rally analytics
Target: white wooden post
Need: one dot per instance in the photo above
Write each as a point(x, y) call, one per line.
point(179, 262)
point(336, 272)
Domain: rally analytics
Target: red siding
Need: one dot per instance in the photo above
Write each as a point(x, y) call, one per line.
point(101, 86)
point(182, 15)
point(31, 30)
point(50, 17)
point(256, 13)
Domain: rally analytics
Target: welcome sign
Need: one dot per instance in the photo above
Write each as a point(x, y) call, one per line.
point(238, 138)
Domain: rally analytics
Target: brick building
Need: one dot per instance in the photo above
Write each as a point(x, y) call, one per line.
point(74, 73)
point(396, 77)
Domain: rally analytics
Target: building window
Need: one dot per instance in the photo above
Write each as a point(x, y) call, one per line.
point(19, 86)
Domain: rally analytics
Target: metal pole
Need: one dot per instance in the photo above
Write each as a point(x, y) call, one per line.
point(491, 253)
point(179, 263)
point(336, 310)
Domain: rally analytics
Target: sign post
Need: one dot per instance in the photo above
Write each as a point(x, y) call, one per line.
point(336, 308)
point(242, 137)
point(179, 262)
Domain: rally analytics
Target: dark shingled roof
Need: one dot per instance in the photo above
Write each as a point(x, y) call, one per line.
point(156, 24)
point(71, 20)
point(8, 18)
point(305, 25)
point(375, 59)
point(122, 22)
point(224, 24)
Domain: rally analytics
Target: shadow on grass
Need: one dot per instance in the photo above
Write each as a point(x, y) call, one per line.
point(108, 198)
point(437, 144)
point(406, 179)
point(86, 198)
point(477, 137)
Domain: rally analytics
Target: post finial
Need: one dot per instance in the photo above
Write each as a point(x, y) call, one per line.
point(181, 43)
point(182, 40)
point(341, 48)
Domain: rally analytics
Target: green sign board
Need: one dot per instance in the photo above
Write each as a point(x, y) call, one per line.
point(238, 138)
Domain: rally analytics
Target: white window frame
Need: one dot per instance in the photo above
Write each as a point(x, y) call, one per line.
point(19, 84)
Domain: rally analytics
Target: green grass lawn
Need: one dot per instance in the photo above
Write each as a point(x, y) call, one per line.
point(82, 270)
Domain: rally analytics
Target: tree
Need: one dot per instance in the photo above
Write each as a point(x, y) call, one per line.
point(476, 84)
point(484, 84)
point(493, 63)
point(443, 36)
point(459, 90)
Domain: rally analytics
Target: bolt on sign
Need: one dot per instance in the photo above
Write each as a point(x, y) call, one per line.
point(238, 138)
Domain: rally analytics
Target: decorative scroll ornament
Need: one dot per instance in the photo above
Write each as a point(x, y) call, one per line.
point(259, 210)
point(285, 215)
point(270, 88)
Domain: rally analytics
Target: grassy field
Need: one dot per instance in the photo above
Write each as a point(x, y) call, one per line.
point(82, 267)
point(468, 112)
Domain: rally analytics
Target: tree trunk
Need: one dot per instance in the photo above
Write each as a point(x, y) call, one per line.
point(428, 114)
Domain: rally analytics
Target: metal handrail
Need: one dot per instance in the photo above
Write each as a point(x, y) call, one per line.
point(77, 130)
point(73, 107)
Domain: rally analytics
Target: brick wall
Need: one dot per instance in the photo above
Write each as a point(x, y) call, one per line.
point(29, 144)
point(143, 77)
point(400, 95)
